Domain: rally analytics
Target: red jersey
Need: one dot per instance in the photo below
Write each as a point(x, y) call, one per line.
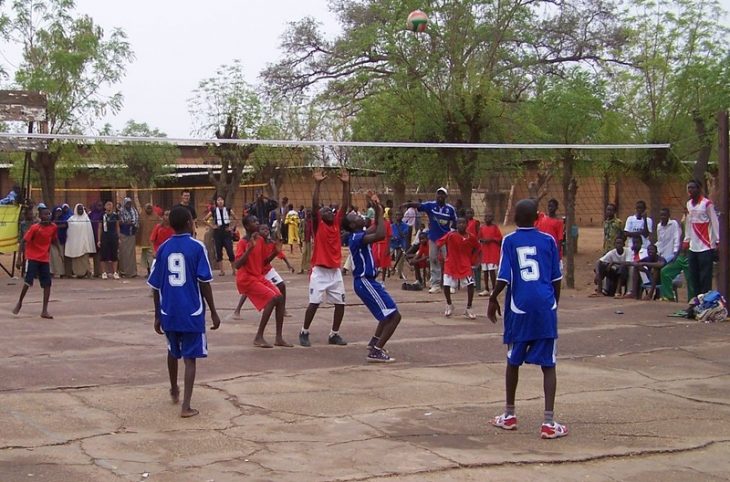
point(490, 251)
point(472, 227)
point(38, 241)
point(553, 227)
point(381, 249)
point(160, 234)
point(327, 251)
point(460, 251)
point(422, 253)
point(254, 266)
point(268, 249)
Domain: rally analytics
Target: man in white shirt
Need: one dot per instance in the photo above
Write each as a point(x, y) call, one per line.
point(610, 268)
point(701, 237)
point(668, 235)
point(638, 226)
point(409, 217)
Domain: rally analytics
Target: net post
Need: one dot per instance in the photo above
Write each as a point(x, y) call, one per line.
point(724, 174)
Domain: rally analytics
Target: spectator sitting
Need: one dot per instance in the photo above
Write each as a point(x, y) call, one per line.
point(611, 273)
point(647, 272)
point(636, 254)
point(12, 197)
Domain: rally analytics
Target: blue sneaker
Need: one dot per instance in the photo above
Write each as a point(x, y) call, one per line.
point(304, 339)
point(377, 355)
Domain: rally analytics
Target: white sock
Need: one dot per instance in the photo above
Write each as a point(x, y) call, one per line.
point(306, 332)
point(332, 333)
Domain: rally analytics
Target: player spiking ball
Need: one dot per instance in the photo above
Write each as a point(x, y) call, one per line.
point(530, 270)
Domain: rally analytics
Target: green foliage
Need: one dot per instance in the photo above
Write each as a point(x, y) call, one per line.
point(134, 164)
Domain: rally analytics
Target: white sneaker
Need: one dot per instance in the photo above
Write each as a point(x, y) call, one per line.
point(470, 314)
point(104, 276)
point(449, 310)
point(115, 275)
point(435, 289)
point(484, 293)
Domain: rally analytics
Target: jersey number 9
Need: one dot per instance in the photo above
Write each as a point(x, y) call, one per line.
point(176, 267)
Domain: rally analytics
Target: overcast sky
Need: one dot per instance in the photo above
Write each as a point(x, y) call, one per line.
point(178, 43)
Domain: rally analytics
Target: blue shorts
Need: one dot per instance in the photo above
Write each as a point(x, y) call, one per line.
point(186, 345)
point(378, 301)
point(537, 352)
point(37, 269)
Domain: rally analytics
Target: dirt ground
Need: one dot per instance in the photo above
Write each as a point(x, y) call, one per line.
point(84, 396)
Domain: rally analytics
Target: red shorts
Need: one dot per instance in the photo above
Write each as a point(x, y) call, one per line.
point(258, 290)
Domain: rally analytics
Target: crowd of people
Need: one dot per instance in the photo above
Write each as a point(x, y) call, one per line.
point(646, 261)
point(452, 251)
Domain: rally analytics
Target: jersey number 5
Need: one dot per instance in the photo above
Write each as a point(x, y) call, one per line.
point(529, 269)
point(176, 267)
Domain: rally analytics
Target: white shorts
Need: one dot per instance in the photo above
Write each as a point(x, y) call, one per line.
point(489, 267)
point(454, 282)
point(274, 277)
point(326, 282)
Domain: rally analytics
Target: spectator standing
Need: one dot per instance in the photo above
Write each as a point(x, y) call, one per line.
point(128, 226)
point(442, 220)
point(95, 216)
point(161, 232)
point(262, 207)
point(80, 242)
point(638, 226)
point(554, 226)
point(148, 219)
point(306, 241)
point(701, 237)
point(223, 222)
point(669, 236)
point(108, 241)
point(612, 228)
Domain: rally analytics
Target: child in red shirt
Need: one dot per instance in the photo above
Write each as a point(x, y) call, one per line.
point(419, 260)
point(551, 224)
point(490, 238)
point(381, 250)
point(472, 227)
point(161, 232)
point(38, 240)
point(461, 248)
point(250, 281)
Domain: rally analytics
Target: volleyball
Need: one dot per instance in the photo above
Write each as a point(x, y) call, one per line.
point(417, 21)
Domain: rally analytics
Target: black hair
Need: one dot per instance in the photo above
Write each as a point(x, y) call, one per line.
point(553, 200)
point(695, 181)
point(248, 219)
point(185, 191)
point(612, 205)
point(642, 202)
point(665, 209)
point(179, 218)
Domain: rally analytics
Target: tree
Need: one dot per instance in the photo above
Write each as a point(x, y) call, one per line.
point(676, 82)
point(137, 165)
point(71, 60)
point(475, 63)
point(228, 106)
point(569, 110)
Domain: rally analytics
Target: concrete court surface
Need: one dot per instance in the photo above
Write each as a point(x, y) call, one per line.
point(84, 396)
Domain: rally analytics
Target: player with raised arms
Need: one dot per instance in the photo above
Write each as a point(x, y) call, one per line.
point(530, 270)
point(180, 277)
point(364, 274)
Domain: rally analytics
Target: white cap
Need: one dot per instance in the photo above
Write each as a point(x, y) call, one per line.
point(442, 189)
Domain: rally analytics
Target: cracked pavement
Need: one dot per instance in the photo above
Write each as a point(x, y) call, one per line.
point(84, 396)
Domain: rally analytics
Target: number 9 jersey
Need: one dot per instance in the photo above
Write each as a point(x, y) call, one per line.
point(181, 263)
point(529, 265)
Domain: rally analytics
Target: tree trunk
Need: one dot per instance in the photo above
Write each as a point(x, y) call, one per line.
point(399, 191)
point(45, 164)
point(605, 187)
point(657, 164)
point(570, 190)
point(703, 156)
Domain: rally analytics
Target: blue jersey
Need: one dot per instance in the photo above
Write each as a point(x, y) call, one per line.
point(399, 239)
point(180, 264)
point(529, 265)
point(362, 257)
point(441, 219)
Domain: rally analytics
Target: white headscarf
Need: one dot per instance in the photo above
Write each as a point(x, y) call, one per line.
point(80, 237)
